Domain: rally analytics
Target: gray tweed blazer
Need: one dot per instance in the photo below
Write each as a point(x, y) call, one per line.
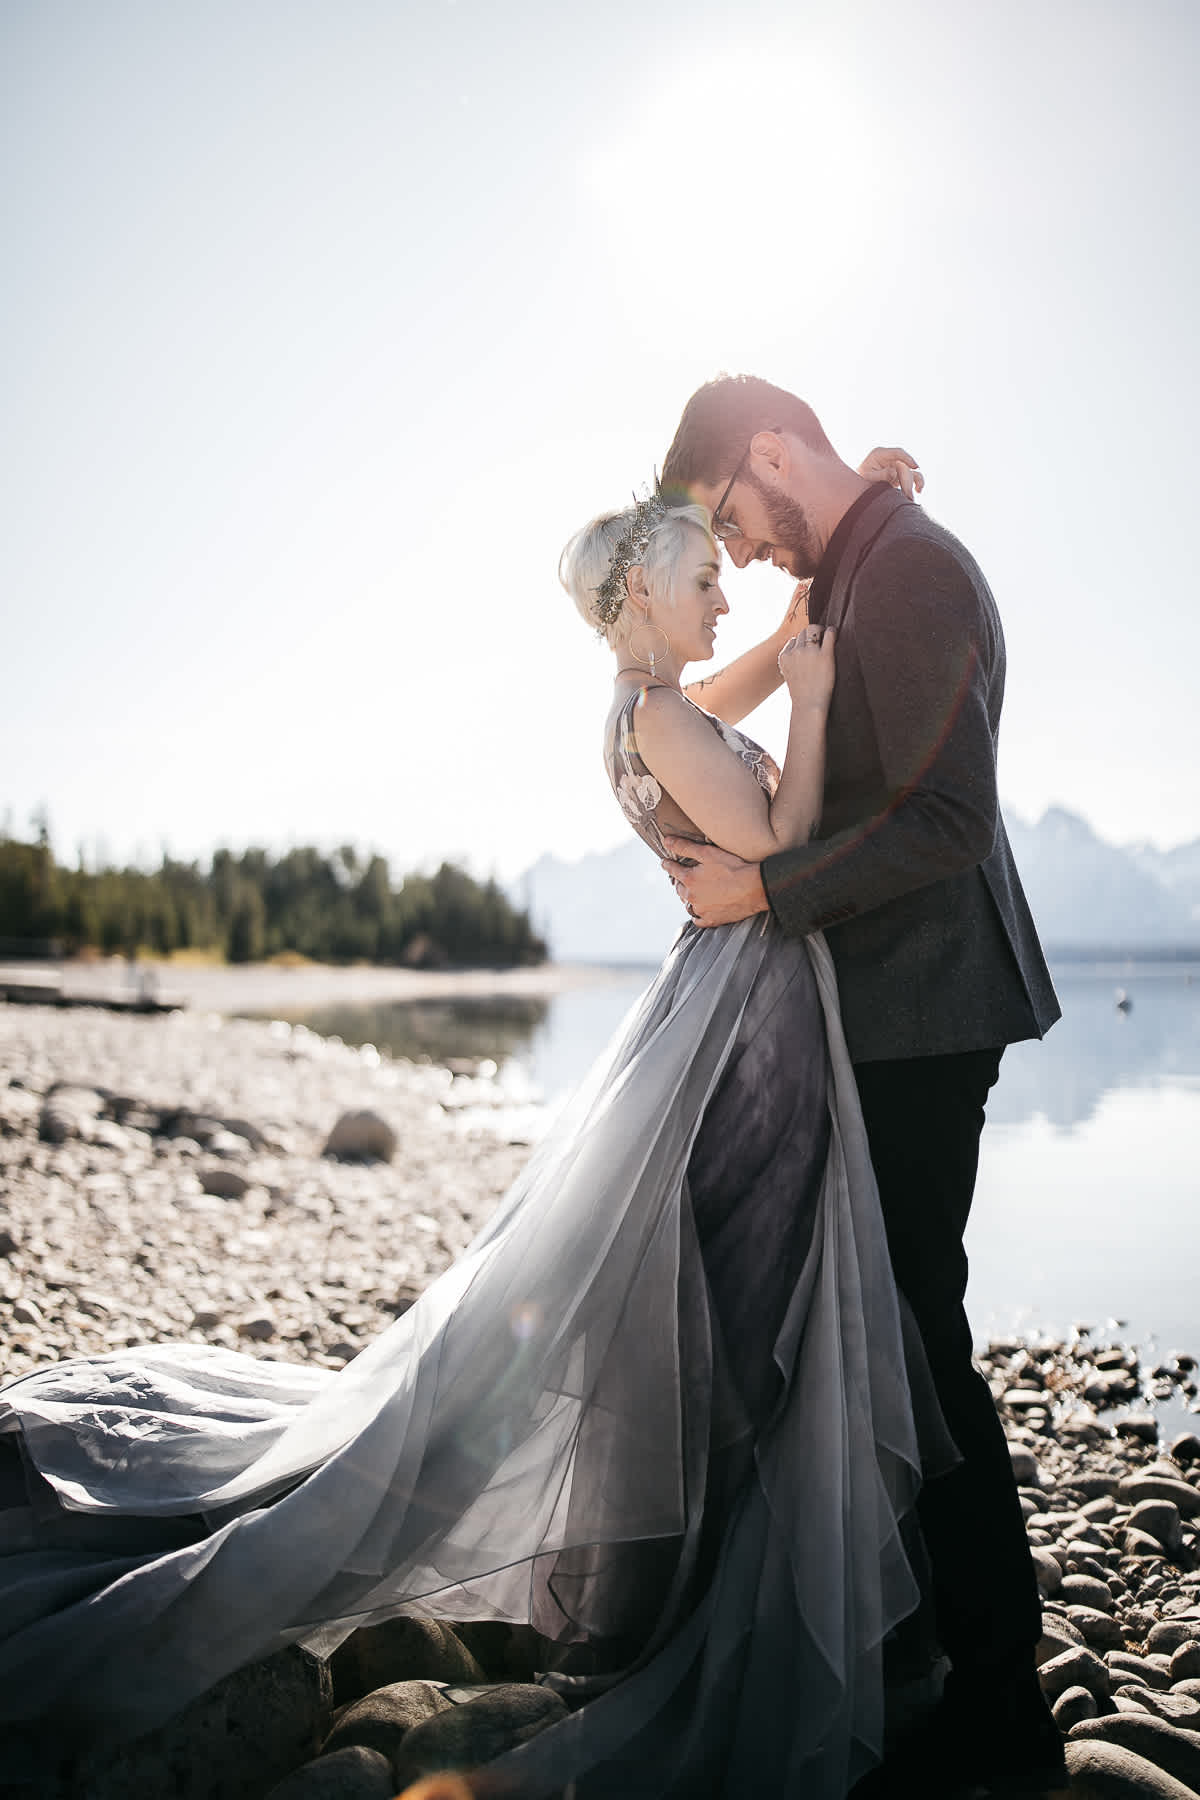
point(912, 878)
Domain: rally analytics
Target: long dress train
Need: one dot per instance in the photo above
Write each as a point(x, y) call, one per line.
point(660, 1409)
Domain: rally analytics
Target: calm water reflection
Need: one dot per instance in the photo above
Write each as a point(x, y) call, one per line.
point(1088, 1202)
point(499, 1026)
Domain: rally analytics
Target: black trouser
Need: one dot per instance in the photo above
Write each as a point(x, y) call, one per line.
point(923, 1117)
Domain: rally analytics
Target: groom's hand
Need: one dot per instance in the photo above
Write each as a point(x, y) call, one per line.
point(719, 888)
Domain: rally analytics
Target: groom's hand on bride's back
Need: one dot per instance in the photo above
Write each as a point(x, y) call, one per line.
point(716, 888)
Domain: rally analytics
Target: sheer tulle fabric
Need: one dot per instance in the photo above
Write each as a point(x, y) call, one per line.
point(659, 1409)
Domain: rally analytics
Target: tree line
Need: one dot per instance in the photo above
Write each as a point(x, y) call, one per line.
point(337, 908)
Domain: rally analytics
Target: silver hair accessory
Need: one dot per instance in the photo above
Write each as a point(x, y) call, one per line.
point(648, 515)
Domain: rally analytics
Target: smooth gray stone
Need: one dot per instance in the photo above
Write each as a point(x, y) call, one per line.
point(1142, 1426)
point(1185, 1662)
point(1168, 1634)
point(1103, 1770)
point(1124, 1664)
point(1048, 1571)
point(361, 1137)
point(380, 1720)
point(1073, 1706)
point(1140, 1543)
point(1138, 1621)
point(1159, 1519)
point(1054, 1522)
point(400, 1649)
point(224, 1183)
point(1077, 1667)
point(1086, 1590)
point(353, 1773)
point(1025, 1465)
point(1084, 1552)
point(470, 1735)
point(1095, 1485)
point(1100, 1509)
point(1058, 1635)
point(1100, 1630)
point(1176, 1709)
point(1149, 1485)
point(1172, 1749)
point(232, 1743)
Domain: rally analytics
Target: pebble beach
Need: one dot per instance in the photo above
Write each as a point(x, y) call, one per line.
point(164, 1177)
point(194, 1175)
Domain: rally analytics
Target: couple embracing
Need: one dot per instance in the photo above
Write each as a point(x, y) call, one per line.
point(683, 1403)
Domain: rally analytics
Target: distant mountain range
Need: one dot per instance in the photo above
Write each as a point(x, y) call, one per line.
point(1086, 895)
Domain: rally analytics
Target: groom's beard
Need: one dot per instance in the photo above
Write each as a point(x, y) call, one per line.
point(790, 526)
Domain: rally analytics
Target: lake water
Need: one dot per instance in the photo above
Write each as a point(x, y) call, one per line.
point(1087, 1206)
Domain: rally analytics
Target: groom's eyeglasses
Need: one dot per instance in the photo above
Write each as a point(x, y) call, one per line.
point(724, 529)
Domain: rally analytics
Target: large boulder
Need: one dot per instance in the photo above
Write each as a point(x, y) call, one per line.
point(382, 1719)
point(361, 1137)
point(1176, 1751)
point(401, 1649)
point(472, 1734)
point(353, 1773)
point(232, 1743)
point(1101, 1771)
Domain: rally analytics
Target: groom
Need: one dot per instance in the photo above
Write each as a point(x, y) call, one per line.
point(938, 964)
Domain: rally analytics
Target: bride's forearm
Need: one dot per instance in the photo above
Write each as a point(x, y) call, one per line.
point(795, 810)
point(734, 691)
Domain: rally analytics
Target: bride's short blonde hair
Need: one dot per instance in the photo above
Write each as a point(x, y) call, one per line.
point(587, 559)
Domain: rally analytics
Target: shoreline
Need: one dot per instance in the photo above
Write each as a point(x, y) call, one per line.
point(283, 990)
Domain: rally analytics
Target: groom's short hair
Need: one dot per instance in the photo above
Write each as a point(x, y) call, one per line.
point(720, 419)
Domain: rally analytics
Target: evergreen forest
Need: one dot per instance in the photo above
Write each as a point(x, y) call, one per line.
point(245, 907)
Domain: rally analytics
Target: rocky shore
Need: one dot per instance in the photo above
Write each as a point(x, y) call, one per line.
point(165, 1177)
point(199, 1177)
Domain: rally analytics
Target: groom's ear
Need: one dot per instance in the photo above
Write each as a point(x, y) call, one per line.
point(771, 455)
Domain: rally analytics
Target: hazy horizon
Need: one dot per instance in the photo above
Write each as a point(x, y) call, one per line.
point(94, 849)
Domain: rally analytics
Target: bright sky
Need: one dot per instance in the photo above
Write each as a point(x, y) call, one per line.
point(328, 323)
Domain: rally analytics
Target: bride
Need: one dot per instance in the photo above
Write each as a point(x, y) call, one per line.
point(660, 1408)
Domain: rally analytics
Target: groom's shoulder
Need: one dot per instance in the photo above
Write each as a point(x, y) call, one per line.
point(913, 546)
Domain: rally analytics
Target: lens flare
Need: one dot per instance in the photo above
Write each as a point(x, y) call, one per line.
point(525, 1320)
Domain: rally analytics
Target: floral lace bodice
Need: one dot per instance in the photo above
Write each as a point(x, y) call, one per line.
point(644, 801)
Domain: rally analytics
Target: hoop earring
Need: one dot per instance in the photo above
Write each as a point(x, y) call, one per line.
point(654, 656)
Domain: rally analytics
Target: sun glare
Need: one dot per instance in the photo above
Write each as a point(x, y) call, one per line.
point(735, 183)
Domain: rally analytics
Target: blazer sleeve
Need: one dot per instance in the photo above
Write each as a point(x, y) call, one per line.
point(928, 645)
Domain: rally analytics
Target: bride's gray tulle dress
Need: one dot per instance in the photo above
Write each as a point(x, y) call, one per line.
point(661, 1409)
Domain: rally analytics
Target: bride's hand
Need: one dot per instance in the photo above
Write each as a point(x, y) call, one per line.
point(894, 466)
point(806, 664)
